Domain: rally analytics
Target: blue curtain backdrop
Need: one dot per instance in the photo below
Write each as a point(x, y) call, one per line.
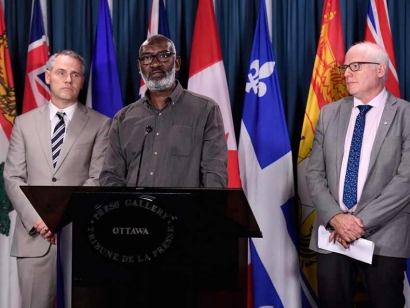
point(295, 28)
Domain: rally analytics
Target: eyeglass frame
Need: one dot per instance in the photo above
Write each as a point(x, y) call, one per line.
point(169, 53)
point(343, 68)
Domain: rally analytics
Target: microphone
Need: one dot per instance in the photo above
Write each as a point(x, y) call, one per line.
point(148, 129)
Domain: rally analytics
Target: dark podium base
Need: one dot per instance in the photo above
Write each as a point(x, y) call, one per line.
point(176, 280)
point(167, 286)
point(151, 247)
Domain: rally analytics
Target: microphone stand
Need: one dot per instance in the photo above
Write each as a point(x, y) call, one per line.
point(148, 129)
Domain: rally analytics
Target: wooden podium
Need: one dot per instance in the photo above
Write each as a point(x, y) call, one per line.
point(149, 247)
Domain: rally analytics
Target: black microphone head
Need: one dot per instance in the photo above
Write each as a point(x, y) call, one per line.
point(148, 129)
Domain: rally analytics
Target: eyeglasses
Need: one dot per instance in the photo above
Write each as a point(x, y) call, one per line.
point(161, 57)
point(62, 74)
point(354, 66)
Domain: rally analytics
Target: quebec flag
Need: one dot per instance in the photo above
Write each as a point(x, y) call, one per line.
point(265, 161)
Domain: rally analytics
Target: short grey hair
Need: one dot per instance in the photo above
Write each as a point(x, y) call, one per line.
point(70, 53)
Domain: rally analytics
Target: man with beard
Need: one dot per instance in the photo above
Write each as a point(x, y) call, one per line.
point(171, 137)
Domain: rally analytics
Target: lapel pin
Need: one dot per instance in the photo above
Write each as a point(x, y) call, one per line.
point(385, 123)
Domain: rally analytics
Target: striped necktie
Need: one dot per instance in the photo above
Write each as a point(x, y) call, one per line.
point(352, 171)
point(58, 137)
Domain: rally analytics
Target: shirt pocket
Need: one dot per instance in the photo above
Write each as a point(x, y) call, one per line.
point(181, 140)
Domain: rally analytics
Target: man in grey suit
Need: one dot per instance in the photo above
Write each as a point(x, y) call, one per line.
point(378, 208)
point(79, 137)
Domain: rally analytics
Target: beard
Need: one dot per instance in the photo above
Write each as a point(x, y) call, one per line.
point(162, 84)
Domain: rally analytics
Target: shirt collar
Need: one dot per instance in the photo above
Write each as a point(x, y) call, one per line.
point(173, 97)
point(377, 102)
point(69, 111)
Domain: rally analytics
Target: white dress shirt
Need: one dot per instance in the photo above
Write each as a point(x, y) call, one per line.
point(373, 117)
point(54, 119)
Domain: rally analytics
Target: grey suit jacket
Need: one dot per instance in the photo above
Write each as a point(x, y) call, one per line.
point(384, 206)
point(29, 162)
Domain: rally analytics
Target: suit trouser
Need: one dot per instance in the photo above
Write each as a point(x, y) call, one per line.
point(382, 280)
point(37, 280)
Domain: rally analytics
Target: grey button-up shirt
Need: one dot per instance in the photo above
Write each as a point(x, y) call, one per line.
point(186, 147)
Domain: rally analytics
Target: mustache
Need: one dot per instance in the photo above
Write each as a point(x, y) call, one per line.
point(157, 70)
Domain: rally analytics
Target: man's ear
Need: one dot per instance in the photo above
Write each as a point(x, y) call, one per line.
point(48, 77)
point(139, 66)
point(82, 82)
point(381, 71)
point(177, 63)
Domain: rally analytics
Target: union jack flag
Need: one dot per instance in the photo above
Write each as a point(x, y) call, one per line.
point(378, 31)
point(36, 91)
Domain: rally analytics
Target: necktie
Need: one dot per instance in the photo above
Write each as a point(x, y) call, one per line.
point(350, 187)
point(58, 137)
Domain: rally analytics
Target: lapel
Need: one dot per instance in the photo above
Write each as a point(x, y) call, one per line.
point(42, 118)
point(344, 118)
point(75, 128)
point(387, 117)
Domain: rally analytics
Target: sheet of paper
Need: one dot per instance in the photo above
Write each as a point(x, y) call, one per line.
point(360, 249)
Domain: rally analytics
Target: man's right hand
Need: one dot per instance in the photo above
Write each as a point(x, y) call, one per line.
point(41, 228)
point(347, 227)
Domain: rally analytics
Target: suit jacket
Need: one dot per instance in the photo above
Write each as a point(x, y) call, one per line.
point(29, 162)
point(384, 206)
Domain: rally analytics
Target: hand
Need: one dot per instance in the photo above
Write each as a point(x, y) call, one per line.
point(347, 228)
point(52, 239)
point(334, 236)
point(41, 228)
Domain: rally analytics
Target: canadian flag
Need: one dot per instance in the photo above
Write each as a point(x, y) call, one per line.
point(207, 77)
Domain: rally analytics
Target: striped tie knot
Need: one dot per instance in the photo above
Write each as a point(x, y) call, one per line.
point(58, 137)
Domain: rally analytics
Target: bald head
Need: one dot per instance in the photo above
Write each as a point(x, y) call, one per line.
point(372, 53)
point(158, 39)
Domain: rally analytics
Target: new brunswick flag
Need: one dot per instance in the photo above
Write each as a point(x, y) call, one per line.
point(327, 85)
point(9, 289)
point(7, 116)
